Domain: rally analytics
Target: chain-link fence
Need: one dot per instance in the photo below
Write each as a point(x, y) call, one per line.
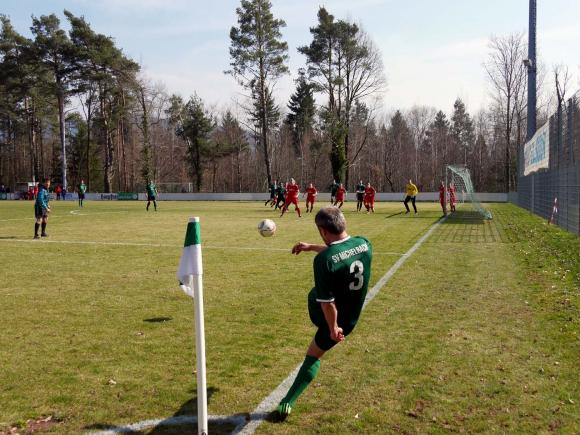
point(554, 193)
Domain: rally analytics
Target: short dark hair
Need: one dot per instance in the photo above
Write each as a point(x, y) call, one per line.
point(45, 180)
point(331, 219)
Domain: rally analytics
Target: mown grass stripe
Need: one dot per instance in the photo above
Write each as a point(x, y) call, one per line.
point(160, 245)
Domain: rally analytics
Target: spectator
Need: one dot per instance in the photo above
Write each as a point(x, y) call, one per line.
point(58, 191)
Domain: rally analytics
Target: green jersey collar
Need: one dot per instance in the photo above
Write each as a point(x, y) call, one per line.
point(340, 241)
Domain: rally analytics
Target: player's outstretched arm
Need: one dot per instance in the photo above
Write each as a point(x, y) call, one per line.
point(331, 316)
point(305, 247)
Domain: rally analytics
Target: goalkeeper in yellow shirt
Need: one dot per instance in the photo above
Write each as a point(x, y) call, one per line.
point(411, 191)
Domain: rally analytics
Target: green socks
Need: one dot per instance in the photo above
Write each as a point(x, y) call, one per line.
point(306, 374)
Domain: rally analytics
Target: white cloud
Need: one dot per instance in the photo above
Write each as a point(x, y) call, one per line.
point(140, 5)
point(474, 48)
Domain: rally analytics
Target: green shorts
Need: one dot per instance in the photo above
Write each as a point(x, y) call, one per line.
point(322, 336)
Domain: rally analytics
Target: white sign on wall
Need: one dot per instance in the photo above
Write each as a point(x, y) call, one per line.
point(537, 150)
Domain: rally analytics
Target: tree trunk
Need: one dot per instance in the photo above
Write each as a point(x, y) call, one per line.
point(88, 152)
point(239, 173)
point(264, 125)
point(109, 156)
point(346, 146)
point(61, 119)
point(31, 137)
point(507, 147)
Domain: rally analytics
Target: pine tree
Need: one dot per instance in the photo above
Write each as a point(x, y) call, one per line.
point(300, 117)
point(463, 132)
point(344, 64)
point(301, 110)
point(437, 143)
point(258, 58)
point(193, 124)
point(399, 147)
point(55, 53)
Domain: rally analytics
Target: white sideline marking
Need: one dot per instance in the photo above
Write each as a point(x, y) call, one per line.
point(72, 213)
point(172, 421)
point(259, 414)
point(160, 245)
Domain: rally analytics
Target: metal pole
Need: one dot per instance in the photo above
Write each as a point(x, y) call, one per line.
point(202, 428)
point(532, 71)
point(445, 192)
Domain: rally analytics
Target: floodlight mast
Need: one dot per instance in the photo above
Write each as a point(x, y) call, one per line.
point(531, 64)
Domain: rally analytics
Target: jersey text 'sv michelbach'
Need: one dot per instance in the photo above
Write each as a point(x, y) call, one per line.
point(341, 275)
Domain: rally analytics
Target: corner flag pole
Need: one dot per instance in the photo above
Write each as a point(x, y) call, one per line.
point(189, 275)
point(200, 342)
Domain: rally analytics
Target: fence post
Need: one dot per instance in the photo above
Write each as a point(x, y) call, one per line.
point(570, 138)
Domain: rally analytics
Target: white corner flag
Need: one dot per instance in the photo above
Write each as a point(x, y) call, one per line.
point(190, 263)
point(189, 275)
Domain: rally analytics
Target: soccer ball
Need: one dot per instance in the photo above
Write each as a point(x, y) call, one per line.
point(267, 227)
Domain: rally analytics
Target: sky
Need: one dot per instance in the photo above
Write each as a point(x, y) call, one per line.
point(433, 51)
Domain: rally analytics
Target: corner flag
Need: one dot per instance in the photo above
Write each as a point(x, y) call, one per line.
point(189, 275)
point(190, 263)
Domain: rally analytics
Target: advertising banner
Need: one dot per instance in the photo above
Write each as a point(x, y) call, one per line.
point(537, 151)
point(127, 196)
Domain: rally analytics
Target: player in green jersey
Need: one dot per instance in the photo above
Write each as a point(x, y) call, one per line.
point(342, 270)
point(151, 195)
point(360, 195)
point(272, 189)
point(333, 188)
point(82, 189)
point(280, 196)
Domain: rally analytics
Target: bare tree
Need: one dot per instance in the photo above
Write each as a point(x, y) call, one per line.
point(507, 75)
point(419, 119)
point(561, 79)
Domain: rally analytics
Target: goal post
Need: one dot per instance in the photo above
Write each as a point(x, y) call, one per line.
point(459, 179)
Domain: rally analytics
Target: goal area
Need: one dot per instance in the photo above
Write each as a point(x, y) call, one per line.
point(460, 188)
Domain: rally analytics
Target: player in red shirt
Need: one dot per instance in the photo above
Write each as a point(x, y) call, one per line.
point(340, 195)
point(311, 197)
point(370, 198)
point(58, 191)
point(452, 199)
point(292, 191)
point(442, 199)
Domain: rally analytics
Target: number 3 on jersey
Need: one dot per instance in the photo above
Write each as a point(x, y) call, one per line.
point(357, 268)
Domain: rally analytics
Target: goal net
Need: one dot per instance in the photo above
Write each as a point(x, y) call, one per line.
point(460, 189)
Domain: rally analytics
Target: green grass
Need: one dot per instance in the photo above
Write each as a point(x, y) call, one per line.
point(478, 331)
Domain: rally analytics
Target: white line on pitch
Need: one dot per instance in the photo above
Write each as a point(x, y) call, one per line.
point(161, 245)
point(172, 421)
point(259, 414)
point(66, 215)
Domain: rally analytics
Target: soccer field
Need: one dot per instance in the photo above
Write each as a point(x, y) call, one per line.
point(477, 331)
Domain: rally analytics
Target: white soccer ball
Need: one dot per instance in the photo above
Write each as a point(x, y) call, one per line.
point(267, 227)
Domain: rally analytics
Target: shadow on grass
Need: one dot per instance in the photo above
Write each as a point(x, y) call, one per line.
point(158, 319)
point(412, 215)
point(183, 421)
point(8, 237)
point(465, 217)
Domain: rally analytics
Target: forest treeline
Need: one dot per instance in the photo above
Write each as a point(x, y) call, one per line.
point(74, 96)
